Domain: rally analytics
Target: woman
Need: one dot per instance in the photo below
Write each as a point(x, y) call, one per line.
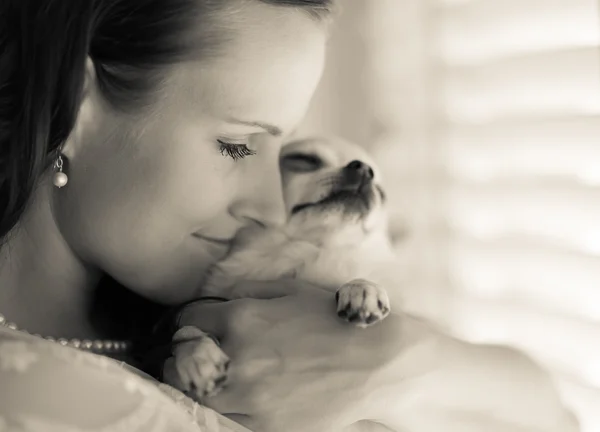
point(136, 138)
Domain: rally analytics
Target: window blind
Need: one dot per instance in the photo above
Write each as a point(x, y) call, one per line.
point(488, 129)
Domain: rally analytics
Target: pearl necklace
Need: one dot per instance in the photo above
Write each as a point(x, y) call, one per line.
point(95, 346)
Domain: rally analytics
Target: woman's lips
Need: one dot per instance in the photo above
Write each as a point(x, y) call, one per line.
point(219, 241)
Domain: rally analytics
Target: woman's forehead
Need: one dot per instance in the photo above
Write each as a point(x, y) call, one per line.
point(267, 72)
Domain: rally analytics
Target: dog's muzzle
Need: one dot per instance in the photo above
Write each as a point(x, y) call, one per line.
point(357, 174)
point(353, 191)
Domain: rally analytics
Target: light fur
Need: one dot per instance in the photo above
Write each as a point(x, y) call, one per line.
point(326, 247)
point(447, 385)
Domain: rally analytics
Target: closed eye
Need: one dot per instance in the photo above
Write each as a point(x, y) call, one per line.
point(301, 162)
point(381, 193)
point(300, 207)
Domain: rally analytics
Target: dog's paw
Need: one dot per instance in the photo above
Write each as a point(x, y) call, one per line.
point(362, 302)
point(199, 362)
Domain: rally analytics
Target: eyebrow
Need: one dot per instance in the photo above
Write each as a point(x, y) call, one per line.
point(273, 130)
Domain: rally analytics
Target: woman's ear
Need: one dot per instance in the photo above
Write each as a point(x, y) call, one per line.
point(89, 110)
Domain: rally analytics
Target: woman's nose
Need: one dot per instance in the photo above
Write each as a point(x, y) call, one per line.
point(261, 196)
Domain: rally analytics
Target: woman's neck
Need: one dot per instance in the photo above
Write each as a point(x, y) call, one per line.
point(44, 287)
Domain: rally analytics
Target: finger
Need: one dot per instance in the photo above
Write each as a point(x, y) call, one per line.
point(241, 419)
point(172, 377)
point(213, 317)
point(267, 289)
point(234, 397)
point(209, 317)
point(367, 426)
point(227, 401)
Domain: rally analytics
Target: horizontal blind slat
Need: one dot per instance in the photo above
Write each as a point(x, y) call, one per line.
point(539, 278)
point(518, 130)
point(550, 83)
point(566, 346)
point(569, 216)
point(556, 147)
point(482, 30)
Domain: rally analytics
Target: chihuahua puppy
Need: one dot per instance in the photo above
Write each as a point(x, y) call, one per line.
point(336, 237)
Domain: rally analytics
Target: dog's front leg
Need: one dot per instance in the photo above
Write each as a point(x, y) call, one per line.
point(362, 302)
point(199, 366)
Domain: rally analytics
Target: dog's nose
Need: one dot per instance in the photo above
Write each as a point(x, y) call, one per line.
point(360, 168)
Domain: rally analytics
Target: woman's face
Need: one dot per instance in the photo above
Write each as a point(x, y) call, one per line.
point(154, 200)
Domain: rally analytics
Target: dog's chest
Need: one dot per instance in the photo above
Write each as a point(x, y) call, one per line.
point(330, 269)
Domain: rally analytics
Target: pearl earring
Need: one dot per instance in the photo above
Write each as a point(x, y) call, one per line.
point(60, 178)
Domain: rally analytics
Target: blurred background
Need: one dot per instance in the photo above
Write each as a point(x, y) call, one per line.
point(485, 117)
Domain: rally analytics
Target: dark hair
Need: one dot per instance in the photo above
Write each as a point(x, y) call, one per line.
point(44, 45)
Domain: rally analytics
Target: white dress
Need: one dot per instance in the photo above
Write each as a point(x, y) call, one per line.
point(46, 387)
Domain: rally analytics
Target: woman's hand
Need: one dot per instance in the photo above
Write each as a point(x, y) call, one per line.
point(295, 365)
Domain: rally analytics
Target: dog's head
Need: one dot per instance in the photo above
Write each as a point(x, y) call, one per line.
point(333, 192)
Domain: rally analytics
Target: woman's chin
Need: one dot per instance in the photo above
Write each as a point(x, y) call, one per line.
point(171, 289)
point(174, 277)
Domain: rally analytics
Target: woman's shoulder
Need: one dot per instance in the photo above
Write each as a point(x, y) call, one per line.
point(49, 387)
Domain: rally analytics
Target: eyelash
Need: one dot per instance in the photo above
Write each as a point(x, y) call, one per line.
point(235, 151)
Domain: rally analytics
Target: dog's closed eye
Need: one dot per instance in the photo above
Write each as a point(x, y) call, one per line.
point(301, 162)
point(381, 193)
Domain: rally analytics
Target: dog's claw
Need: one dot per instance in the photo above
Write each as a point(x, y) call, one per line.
point(201, 366)
point(362, 302)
